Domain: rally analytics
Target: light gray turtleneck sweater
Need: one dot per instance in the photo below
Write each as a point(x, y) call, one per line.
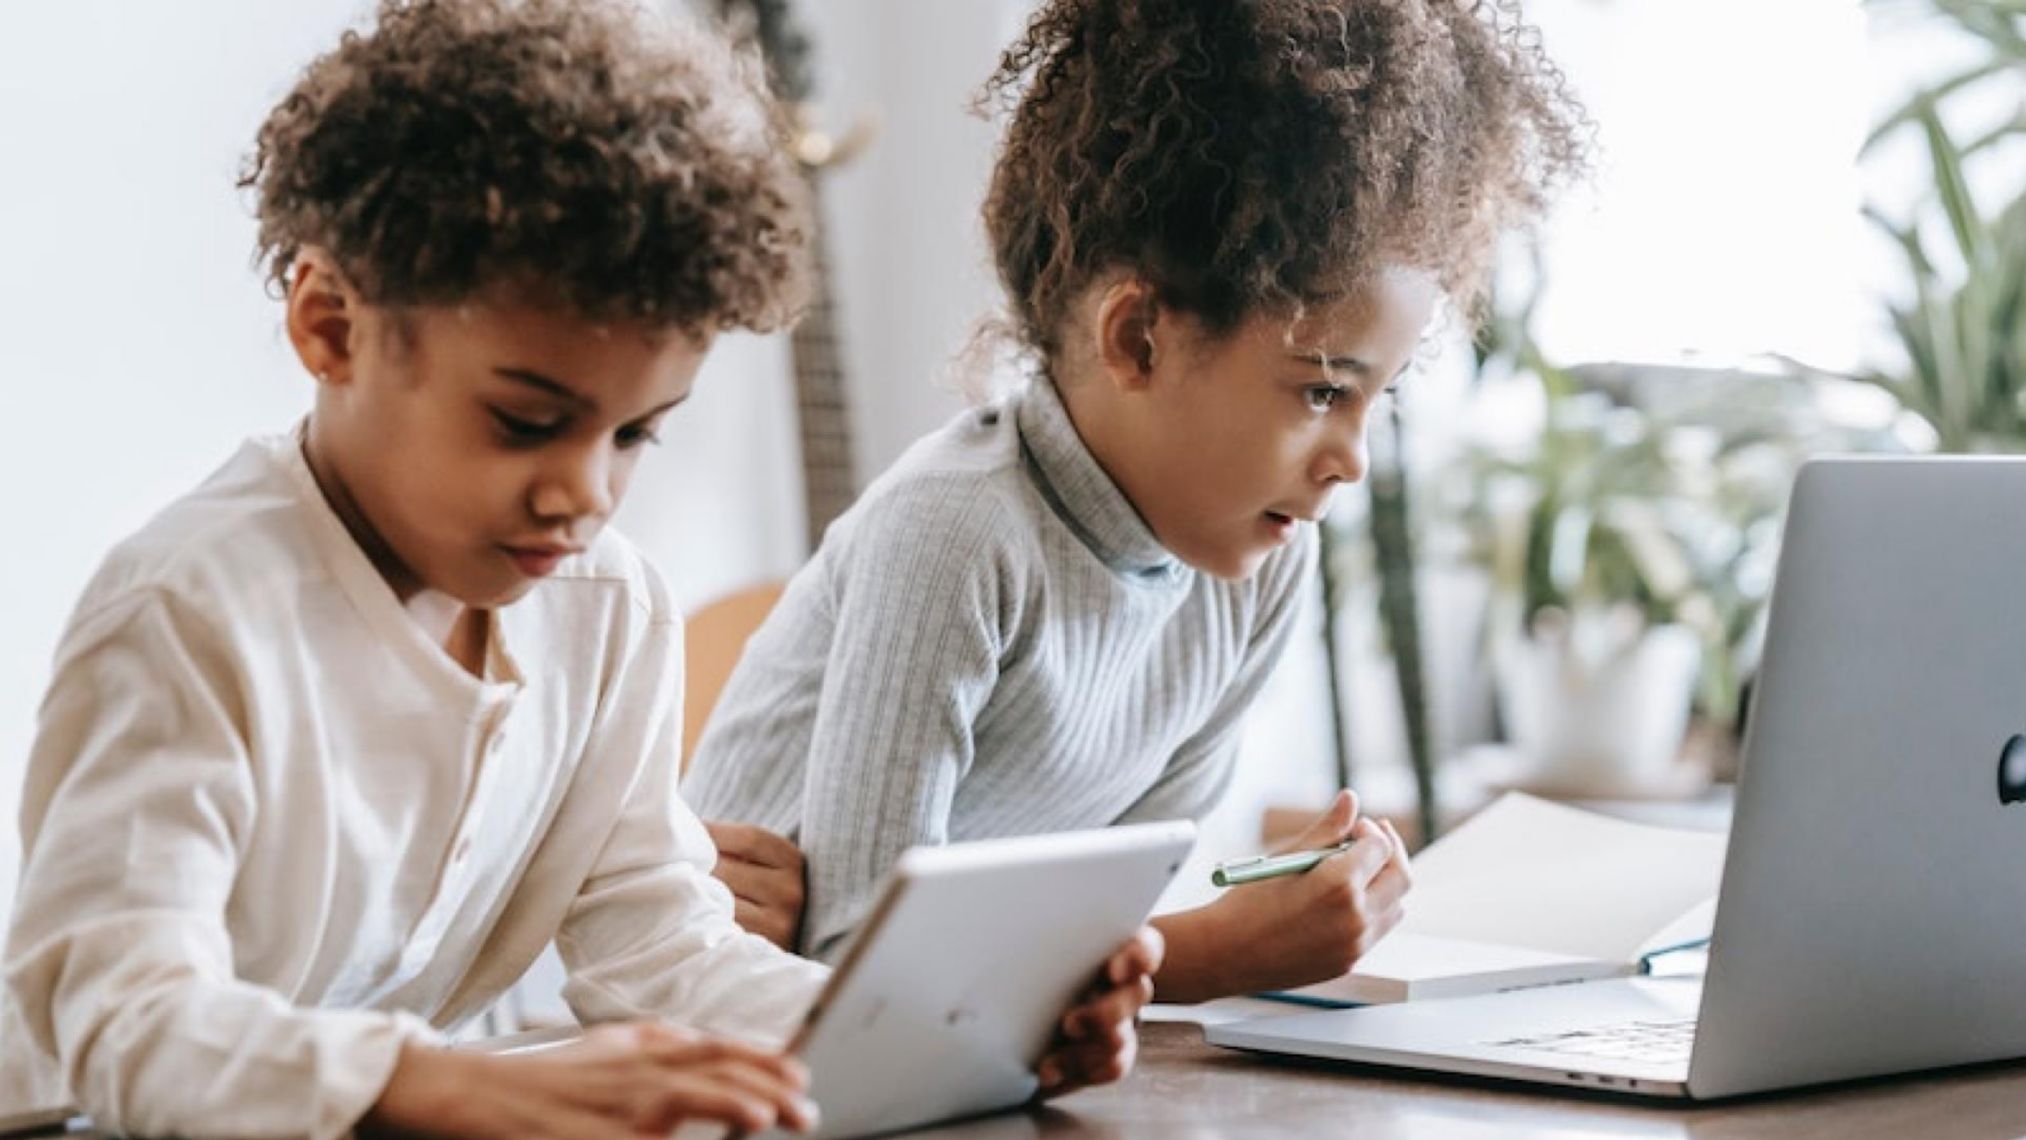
point(991, 642)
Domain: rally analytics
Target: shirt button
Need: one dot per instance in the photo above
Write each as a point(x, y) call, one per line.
point(463, 850)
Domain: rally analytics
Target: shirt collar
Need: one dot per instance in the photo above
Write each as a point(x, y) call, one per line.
point(375, 600)
point(1080, 492)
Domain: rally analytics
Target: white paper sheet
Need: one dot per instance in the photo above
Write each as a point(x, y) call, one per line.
point(1526, 872)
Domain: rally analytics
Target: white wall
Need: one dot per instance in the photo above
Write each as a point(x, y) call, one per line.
point(138, 347)
point(912, 272)
point(1723, 218)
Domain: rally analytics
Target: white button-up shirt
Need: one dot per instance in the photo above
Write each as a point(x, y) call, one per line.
point(271, 829)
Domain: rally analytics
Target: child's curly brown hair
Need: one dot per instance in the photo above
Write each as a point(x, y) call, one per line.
point(564, 152)
point(1260, 155)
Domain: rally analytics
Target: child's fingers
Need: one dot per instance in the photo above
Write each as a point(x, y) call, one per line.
point(785, 1096)
point(690, 1096)
point(570, 1120)
point(1396, 878)
point(1087, 1063)
point(774, 924)
point(692, 1052)
point(1365, 858)
point(1095, 1067)
point(1386, 890)
point(1095, 1024)
point(1049, 1074)
point(753, 844)
point(1114, 1006)
point(774, 888)
point(655, 1036)
point(1141, 956)
point(1400, 856)
point(1331, 827)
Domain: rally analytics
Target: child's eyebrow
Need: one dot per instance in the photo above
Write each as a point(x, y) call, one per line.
point(563, 391)
point(1333, 363)
point(1347, 364)
point(547, 384)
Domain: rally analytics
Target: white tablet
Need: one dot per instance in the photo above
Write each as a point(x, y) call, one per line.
point(951, 991)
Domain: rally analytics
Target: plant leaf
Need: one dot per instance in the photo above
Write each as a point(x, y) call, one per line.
point(1951, 186)
point(1910, 110)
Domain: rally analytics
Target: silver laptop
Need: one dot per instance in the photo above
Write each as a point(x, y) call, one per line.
point(1872, 918)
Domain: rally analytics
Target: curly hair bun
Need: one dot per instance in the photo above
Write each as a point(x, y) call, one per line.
point(575, 152)
point(1261, 155)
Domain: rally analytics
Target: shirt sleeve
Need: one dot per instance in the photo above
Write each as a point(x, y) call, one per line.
point(139, 801)
point(914, 657)
point(651, 933)
point(1200, 770)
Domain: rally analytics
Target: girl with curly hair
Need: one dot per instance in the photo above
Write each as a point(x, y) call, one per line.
point(1222, 229)
point(338, 742)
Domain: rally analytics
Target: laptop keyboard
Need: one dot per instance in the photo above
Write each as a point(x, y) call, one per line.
point(1655, 1042)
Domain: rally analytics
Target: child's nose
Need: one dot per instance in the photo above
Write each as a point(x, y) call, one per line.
point(579, 486)
point(1343, 458)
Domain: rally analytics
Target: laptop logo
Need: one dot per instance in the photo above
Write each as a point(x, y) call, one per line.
point(2012, 771)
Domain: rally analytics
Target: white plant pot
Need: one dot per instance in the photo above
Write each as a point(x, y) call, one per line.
point(1597, 708)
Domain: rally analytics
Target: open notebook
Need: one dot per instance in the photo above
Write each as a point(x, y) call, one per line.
point(1529, 893)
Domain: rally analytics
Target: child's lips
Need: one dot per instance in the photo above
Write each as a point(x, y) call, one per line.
point(538, 561)
point(1279, 525)
point(1306, 512)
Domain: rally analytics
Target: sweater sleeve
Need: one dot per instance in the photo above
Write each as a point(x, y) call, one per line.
point(913, 658)
point(139, 799)
point(651, 933)
point(1200, 769)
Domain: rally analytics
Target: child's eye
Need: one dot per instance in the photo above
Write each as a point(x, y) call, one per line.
point(519, 430)
point(1323, 397)
point(635, 435)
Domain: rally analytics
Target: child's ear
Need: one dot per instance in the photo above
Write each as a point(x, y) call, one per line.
point(1126, 316)
point(322, 312)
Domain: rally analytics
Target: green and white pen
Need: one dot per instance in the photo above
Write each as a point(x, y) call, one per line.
point(1253, 868)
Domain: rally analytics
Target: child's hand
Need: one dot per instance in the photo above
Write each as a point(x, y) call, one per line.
point(1097, 1041)
point(765, 874)
point(630, 1080)
point(1296, 929)
point(1306, 928)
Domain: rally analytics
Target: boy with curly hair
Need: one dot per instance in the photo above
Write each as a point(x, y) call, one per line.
point(1222, 229)
point(340, 740)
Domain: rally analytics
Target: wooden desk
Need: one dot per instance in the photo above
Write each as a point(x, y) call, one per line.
point(1187, 1090)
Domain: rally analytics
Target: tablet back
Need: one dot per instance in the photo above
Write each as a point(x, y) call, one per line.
point(952, 990)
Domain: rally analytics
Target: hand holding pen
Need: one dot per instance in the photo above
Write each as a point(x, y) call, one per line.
point(1253, 868)
point(1306, 914)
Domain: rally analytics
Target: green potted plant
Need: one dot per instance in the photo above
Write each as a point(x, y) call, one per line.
point(1631, 543)
point(1960, 328)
